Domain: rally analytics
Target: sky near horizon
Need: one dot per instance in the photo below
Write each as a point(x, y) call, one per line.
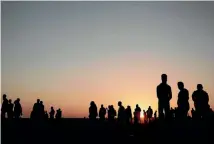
point(69, 53)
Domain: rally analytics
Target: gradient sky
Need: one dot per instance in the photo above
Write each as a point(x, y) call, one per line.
point(69, 53)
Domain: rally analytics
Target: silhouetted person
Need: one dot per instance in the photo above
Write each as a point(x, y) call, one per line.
point(36, 110)
point(4, 107)
point(128, 114)
point(201, 101)
point(102, 113)
point(10, 109)
point(137, 114)
point(52, 113)
point(183, 101)
point(17, 109)
point(121, 113)
point(164, 95)
point(111, 113)
point(155, 115)
point(93, 111)
point(149, 113)
point(58, 114)
point(41, 110)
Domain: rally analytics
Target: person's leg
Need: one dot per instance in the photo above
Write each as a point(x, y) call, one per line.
point(160, 109)
point(167, 110)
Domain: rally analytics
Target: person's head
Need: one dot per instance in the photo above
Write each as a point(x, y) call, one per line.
point(199, 87)
point(10, 101)
point(17, 100)
point(92, 103)
point(149, 107)
point(119, 103)
point(51, 107)
point(101, 105)
point(4, 96)
point(164, 78)
point(128, 107)
point(180, 85)
point(137, 105)
point(38, 100)
point(41, 102)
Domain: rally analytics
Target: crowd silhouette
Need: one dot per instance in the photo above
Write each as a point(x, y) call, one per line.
point(164, 94)
point(124, 115)
point(14, 110)
point(109, 124)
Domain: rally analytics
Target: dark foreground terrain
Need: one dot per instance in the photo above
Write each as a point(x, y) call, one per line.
point(82, 131)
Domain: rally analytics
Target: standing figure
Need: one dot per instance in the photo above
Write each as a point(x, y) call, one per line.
point(164, 95)
point(201, 101)
point(149, 114)
point(128, 115)
point(137, 114)
point(58, 114)
point(93, 111)
point(17, 109)
point(102, 113)
point(52, 113)
point(121, 113)
point(4, 106)
point(183, 101)
point(10, 109)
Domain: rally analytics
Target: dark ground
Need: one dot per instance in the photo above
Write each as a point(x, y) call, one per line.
point(81, 131)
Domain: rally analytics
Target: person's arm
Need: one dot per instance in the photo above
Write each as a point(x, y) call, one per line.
point(170, 93)
point(157, 91)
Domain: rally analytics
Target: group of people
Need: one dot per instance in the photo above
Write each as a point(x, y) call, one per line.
point(164, 95)
point(13, 110)
point(124, 115)
point(39, 113)
point(199, 97)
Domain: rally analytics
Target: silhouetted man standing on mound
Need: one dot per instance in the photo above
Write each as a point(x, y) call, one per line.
point(164, 94)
